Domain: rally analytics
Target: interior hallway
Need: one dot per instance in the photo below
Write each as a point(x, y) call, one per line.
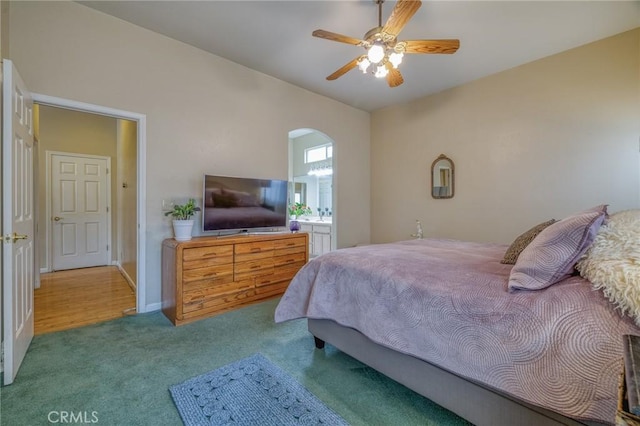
point(78, 297)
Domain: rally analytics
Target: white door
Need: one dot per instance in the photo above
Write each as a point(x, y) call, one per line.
point(79, 210)
point(18, 266)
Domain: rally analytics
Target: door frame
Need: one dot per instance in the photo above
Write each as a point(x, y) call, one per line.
point(141, 120)
point(48, 229)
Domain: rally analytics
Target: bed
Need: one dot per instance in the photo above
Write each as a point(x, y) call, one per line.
point(446, 319)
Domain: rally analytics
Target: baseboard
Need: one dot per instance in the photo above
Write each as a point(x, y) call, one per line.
point(153, 307)
point(44, 270)
point(126, 276)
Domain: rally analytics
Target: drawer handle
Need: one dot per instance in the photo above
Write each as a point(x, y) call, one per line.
point(255, 267)
point(255, 249)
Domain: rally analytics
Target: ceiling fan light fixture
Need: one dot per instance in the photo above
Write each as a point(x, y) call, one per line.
point(376, 52)
point(384, 52)
point(381, 71)
point(396, 59)
point(363, 64)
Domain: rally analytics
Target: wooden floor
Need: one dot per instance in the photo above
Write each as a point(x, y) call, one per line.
point(73, 298)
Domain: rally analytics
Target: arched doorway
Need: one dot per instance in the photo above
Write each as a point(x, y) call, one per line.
point(311, 172)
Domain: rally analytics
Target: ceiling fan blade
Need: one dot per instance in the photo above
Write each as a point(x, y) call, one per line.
point(431, 46)
point(400, 15)
point(348, 67)
point(328, 35)
point(394, 78)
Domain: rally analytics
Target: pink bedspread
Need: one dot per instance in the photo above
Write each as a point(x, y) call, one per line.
point(447, 303)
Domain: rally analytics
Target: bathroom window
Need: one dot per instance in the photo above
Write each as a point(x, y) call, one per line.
point(318, 153)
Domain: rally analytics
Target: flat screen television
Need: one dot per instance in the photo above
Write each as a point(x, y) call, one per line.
point(243, 204)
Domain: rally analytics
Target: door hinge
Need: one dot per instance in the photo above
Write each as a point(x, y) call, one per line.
point(107, 209)
point(107, 247)
point(2, 356)
point(107, 170)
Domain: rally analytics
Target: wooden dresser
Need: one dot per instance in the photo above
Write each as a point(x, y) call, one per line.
point(210, 275)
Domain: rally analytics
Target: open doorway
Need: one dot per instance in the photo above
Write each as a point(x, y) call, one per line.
point(81, 222)
point(92, 140)
point(311, 171)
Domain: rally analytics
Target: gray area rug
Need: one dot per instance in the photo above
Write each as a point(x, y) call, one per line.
point(251, 391)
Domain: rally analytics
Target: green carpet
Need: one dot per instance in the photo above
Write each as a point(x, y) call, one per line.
point(119, 372)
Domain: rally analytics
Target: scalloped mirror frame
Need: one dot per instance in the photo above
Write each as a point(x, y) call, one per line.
point(444, 173)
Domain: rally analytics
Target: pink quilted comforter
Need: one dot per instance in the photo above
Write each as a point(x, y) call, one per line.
point(447, 303)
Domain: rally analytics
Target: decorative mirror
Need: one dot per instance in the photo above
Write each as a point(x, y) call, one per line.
point(442, 177)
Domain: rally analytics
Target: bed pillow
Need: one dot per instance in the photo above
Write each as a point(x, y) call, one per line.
point(242, 199)
point(223, 199)
point(612, 263)
point(552, 255)
point(210, 196)
point(516, 247)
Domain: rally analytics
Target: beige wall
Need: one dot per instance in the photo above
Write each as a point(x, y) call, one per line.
point(127, 197)
point(204, 113)
point(63, 130)
point(4, 28)
point(538, 141)
point(535, 142)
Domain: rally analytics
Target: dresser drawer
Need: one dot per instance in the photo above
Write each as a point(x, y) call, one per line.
point(212, 282)
point(217, 304)
point(279, 275)
point(244, 270)
point(290, 242)
point(252, 251)
point(286, 273)
point(207, 273)
point(201, 295)
point(290, 258)
point(211, 253)
point(207, 263)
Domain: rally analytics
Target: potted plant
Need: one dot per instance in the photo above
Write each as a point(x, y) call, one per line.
point(182, 222)
point(295, 211)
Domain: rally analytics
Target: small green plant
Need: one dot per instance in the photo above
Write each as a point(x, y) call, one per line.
point(299, 209)
point(183, 211)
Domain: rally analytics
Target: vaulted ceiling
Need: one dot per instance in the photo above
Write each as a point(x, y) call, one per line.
point(274, 37)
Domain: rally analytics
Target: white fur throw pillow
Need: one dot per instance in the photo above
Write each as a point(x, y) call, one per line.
point(612, 263)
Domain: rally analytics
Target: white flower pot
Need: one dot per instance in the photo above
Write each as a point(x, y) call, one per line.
point(182, 229)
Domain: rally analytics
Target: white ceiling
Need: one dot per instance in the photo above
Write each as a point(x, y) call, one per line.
point(274, 37)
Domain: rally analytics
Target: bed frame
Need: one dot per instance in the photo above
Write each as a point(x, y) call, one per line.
point(471, 401)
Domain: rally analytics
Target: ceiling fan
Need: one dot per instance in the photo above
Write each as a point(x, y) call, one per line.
point(384, 51)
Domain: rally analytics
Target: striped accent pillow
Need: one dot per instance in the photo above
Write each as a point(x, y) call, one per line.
point(551, 256)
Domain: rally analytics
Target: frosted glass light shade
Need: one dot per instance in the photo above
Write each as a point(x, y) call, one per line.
point(376, 52)
point(381, 72)
point(396, 59)
point(364, 65)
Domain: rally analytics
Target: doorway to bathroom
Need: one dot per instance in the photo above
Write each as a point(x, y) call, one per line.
point(311, 173)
